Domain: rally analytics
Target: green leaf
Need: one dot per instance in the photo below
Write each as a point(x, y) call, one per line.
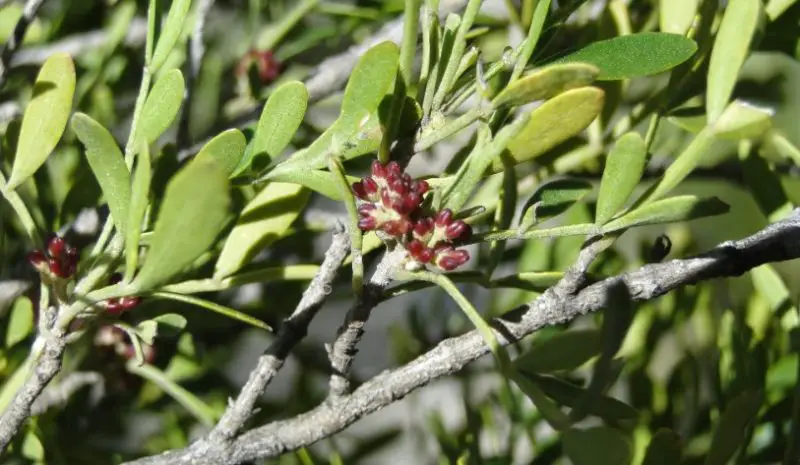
point(214, 307)
point(676, 16)
point(319, 181)
point(226, 149)
point(665, 448)
point(45, 117)
point(545, 83)
point(731, 47)
point(20, 321)
point(138, 207)
point(732, 426)
point(108, 165)
point(684, 164)
point(147, 331)
point(552, 199)
point(634, 55)
point(170, 31)
point(192, 214)
point(680, 208)
point(280, 118)
point(162, 106)
point(565, 351)
point(600, 445)
point(204, 413)
point(742, 121)
point(171, 320)
point(555, 121)
point(551, 412)
point(571, 395)
point(262, 221)
point(624, 168)
point(369, 82)
point(32, 448)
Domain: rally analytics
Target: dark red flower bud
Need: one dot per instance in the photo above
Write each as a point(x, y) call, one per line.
point(423, 226)
point(58, 268)
point(393, 168)
point(399, 187)
point(366, 208)
point(421, 187)
point(370, 185)
point(377, 169)
point(415, 247)
point(36, 258)
point(426, 255)
point(367, 223)
point(411, 202)
point(359, 190)
point(444, 217)
point(56, 246)
point(458, 230)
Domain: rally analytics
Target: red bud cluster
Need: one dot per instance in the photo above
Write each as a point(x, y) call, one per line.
point(392, 202)
point(115, 338)
point(268, 67)
point(60, 259)
point(120, 305)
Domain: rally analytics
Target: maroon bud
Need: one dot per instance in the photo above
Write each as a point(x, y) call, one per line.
point(58, 268)
point(421, 187)
point(447, 263)
point(460, 255)
point(359, 191)
point(370, 185)
point(56, 246)
point(366, 208)
point(404, 225)
point(415, 248)
point(36, 258)
point(457, 230)
point(378, 170)
point(386, 199)
point(426, 255)
point(391, 228)
point(399, 187)
point(393, 168)
point(444, 217)
point(367, 223)
point(399, 206)
point(407, 178)
point(411, 201)
point(423, 227)
point(129, 303)
point(114, 307)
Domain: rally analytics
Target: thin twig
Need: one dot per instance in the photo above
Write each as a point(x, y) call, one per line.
point(344, 350)
point(778, 242)
point(292, 331)
point(12, 45)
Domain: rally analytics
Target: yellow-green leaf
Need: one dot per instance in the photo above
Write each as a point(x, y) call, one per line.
point(680, 208)
point(263, 220)
point(555, 121)
point(45, 117)
point(369, 82)
point(319, 181)
point(280, 118)
point(162, 106)
point(20, 321)
point(552, 199)
point(676, 16)
point(545, 83)
point(192, 214)
point(731, 47)
point(226, 148)
point(624, 168)
point(108, 165)
point(170, 32)
point(140, 192)
point(742, 121)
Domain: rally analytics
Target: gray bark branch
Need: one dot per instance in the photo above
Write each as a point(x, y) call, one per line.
point(560, 304)
point(292, 331)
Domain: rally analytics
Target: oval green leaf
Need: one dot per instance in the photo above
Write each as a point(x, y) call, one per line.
point(192, 214)
point(597, 446)
point(214, 307)
point(634, 55)
point(545, 83)
point(552, 199)
point(680, 208)
point(271, 212)
point(226, 149)
point(322, 182)
point(742, 121)
point(170, 32)
point(555, 121)
point(20, 321)
point(684, 164)
point(369, 82)
point(45, 117)
point(732, 426)
point(624, 168)
point(563, 352)
point(676, 16)
point(108, 165)
point(162, 106)
point(731, 47)
point(280, 118)
point(665, 448)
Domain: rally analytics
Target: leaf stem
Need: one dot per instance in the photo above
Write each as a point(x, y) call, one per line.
point(24, 215)
point(529, 45)
point(335, 165)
